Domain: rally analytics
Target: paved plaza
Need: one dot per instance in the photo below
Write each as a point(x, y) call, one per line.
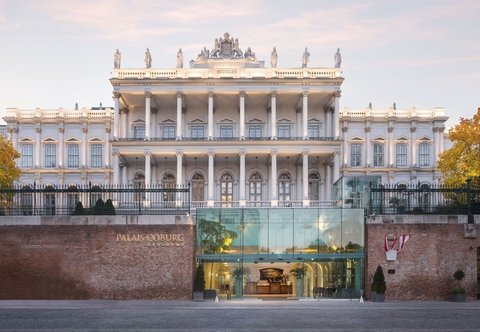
point(240, 315)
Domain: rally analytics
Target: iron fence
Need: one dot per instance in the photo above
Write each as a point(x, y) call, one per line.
point(424, 199)
point(30, 200)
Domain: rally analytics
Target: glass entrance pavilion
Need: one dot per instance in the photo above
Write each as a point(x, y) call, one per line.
point(282, 252)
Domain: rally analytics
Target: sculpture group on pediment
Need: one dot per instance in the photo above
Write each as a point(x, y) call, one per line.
point(250, 56)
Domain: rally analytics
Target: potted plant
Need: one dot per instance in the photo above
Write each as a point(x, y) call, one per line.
point(458, 293)
point(379, 286)
point(199, 284)
point(298, 271)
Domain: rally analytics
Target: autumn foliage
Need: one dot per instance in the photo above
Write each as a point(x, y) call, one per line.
point(462, 160)
point(9, 171)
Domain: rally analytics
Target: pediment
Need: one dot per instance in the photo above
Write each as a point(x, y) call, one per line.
point(50, 140)
point(285, 120)
point(425, 139)
point(197, 121)
point(226, 121)
point(139, 122)
point(356, 139)
point(96, 140)
point(26, 140)
point(73, 140)
point(314, 121)
point(379, 139)
point(255, 121)
point(168, 121)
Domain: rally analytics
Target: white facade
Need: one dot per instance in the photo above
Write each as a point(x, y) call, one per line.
point(240, 133)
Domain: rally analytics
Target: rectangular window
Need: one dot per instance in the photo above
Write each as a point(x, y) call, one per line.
point(197, 131)
point(96, 155)
point(378, 154)
point(283, 131)
point(50, 155)
point(27, 155)
point(139, 132)
point(401, 154)
point(424, 154)
point(313, 131)
point(168, 132)
point(73, 155)
point(226, 131)
point(255, 131)
point(356, 154)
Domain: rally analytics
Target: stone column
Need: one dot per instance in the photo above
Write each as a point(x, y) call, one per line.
point(305, 114)
point(148, 171)
point(346, 151)
point(116, 111)
point(38, 145)
point(242, 95)
point(336, 116)
point(390, 146)
point(179, 155)
point(298, 122)
point(413, 140)
point(154, 122)
point(107, 146)
point(179, 114)
point(148, 122)
point(61, 145)
point(328, 121)
point(305, 178)
point(273, 178)
point(328, 181)
point(242, 200)
point(116, 162)
point(273, 122)
point(211, 179)
point(336, 166)
point(368, 146)
point(210, 115)
point(84, 146)
point(124, 175)
point(124, 127)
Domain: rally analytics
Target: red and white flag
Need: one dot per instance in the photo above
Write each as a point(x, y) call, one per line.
point(403, 239)
point(390, 248)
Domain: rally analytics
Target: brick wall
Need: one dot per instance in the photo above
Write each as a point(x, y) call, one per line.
point(96, 261)
point(424, 269)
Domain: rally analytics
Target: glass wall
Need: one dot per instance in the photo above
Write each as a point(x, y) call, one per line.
point(299, 252)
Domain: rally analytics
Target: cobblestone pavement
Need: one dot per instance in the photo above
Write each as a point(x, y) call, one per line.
point(242, 315)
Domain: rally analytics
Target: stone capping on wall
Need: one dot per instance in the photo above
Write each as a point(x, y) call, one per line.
point(98, 220)
point(420, 219)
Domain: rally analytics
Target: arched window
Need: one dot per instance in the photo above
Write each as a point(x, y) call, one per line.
point(26, 200)
point(226, 189)
point(139, 183)
point(49, 200)
point(424, 197)
point(255, 186)
point(168, 183)
point(72, 197)
point(284, 186)
point(198, 185)
point(314, 186)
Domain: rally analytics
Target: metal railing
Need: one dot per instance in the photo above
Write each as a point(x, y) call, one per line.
point(201, 139)
point(94, 200)
point(424, 199)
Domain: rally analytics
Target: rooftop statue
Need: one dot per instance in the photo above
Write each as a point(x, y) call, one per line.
point(180, 58)
point(305, 58)
point(274, 58)
point(117, 59)
point(237, 51)
point(249, 55)
point(148, 59)
point(338, 59)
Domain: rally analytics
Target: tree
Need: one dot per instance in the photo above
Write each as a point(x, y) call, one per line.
point(9, 171)
point(462, 160)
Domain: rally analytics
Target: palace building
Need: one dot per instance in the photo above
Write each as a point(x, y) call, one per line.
point(261, 148)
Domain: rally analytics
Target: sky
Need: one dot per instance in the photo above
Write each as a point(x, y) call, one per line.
point(422, 53)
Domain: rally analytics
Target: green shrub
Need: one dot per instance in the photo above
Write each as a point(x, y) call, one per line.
point(458, 290)
point(199, 282)
point(379, 284)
